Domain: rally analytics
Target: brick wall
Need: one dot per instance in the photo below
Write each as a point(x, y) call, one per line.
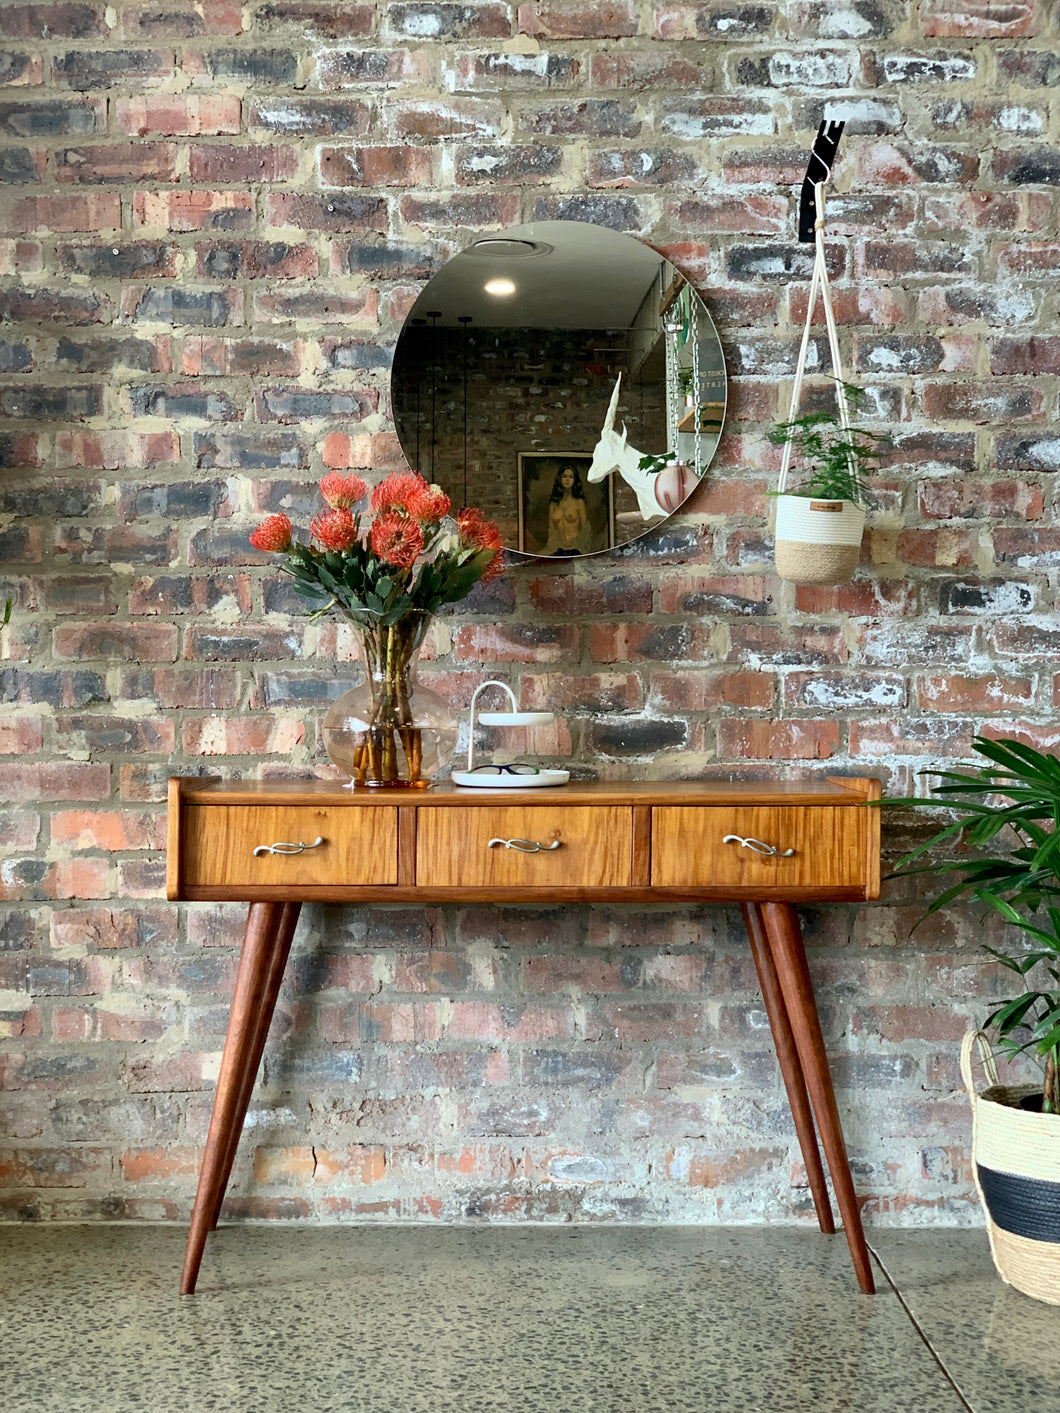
point(213, 221)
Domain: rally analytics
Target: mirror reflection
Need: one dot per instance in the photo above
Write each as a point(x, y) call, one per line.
point(566, 379)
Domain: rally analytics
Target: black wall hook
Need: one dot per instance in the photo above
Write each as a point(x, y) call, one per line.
point(819, 169)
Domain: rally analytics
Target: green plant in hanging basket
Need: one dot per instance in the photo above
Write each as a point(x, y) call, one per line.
point(837, 460)
point(1015, 799)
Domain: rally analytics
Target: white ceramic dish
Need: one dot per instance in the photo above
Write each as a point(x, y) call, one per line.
point(475, 780)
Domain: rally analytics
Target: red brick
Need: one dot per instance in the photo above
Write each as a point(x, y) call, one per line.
point(178, 114)
point(128, 642)
point(778, 740)
point(860, 598)
point(115, 162)
point(376, 166)
point(486, 1021)
point(256, 259)
point(980, 500)
point(193, 210)
point(683, 592)
point(229, 357)
point(95, 211)
point(880, 163)
point(20, 736)
point(114, 449)
point(706, 690)
point(68, 878)
point(182, 19)
point(154, 1164)
point(561, 19)
point(741, 215)
point(242, 736)
point(969, 695)
point(54, 780)
point(54, 1167)
point(221, 162)
point(108, 829)
point(978, 19)
point(721, 1170)
point(1036, 354)
point(911, 736)
point(928, 548)
point(342, 451)
point(651, 641)
point(515, 643)
point(598, 691)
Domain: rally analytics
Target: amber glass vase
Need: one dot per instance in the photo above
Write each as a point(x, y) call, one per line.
point(389, 731)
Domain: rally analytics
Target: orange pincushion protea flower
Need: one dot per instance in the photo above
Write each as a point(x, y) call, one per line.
point(342, 492)
point(273, 535)
point(396, 539)
point(410, 494)
point(478, 533)
point(336, 530)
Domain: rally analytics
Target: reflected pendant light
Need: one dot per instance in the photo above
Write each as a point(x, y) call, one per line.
point(465, 319)
point(434, 315)
point(418, 324)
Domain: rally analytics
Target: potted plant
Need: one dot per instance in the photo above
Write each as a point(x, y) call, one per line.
point(386, 559)
point(1014, 800)
point(819, 521)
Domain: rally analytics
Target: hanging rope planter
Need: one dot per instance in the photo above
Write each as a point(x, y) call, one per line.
point(818, 540)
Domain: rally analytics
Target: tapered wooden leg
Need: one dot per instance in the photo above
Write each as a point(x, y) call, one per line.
point(245, 1018)
point(785, 940)
point(790, 1067)
point(273, 981)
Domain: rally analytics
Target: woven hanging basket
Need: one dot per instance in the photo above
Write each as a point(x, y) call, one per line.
point(817, 541)
point(1016, 1159)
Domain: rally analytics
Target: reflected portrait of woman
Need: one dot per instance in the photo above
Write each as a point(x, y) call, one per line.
point(561, 513)
point(568, 515)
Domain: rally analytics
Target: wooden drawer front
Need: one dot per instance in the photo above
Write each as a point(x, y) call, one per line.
point(452, 847)
point(360, 845)
point(831, 847)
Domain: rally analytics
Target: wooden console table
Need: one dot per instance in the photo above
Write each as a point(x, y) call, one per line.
point(766, 846)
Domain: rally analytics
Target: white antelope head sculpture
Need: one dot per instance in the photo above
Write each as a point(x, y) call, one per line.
point(607, 454)
point(613, 453)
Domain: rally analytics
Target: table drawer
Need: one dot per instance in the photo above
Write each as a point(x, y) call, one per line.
point(830, 847)
point(453, 847)
point(359, 846)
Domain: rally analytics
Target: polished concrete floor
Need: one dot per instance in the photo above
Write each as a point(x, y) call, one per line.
point(514, 1320)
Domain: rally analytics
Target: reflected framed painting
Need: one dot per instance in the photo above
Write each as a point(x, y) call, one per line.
point(561, 512)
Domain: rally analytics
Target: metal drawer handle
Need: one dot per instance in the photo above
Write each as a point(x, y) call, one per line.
point(525, 846)
point(286, 848)
point(756, 845)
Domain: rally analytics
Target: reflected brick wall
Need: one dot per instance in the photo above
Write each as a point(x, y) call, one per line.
point(213, 221)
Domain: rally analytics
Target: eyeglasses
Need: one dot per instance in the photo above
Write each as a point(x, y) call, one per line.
point(517, 768)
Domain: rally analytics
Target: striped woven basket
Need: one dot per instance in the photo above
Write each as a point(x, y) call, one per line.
point(1016, 1157)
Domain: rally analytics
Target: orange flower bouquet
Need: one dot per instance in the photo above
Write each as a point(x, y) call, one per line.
point(387, 560)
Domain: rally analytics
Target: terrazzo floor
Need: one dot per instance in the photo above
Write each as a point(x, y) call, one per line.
point(494, 1320)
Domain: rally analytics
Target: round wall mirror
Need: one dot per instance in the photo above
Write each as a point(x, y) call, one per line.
point(564, 378)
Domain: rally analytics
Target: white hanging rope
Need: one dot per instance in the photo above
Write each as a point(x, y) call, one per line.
point(818, 282)
point(697, 440)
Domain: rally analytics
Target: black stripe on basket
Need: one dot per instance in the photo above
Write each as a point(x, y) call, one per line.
point(1025, 1206)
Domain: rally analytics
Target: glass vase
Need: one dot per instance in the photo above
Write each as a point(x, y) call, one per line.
point(390, 732)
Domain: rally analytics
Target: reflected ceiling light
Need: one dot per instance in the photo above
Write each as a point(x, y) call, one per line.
point(499, 286)
point(508, 248)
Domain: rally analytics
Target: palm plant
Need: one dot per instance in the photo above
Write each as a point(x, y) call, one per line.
point(1017, 796)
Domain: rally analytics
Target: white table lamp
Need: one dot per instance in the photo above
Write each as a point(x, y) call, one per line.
point(505, 777)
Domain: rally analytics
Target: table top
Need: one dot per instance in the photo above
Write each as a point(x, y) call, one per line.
point(828, 790)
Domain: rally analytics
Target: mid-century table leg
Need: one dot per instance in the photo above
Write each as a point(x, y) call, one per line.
point(790, 1068)
point(264, 921)
point(789, 954)
point(273, 981)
